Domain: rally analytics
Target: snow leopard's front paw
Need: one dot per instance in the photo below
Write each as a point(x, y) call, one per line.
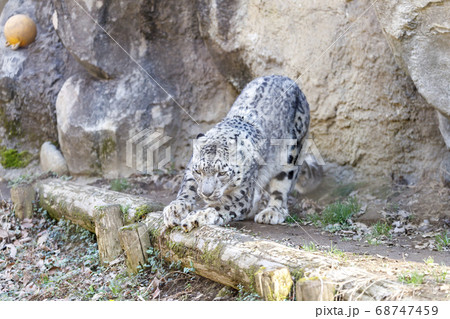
point(271, 215)
point(207, 216)
point(175, 212)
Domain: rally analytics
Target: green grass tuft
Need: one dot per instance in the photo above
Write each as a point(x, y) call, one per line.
point(119, 184)
point(337, 213)
point(311, 246)
point(379, 230)
point(413, 278)
point(442, 240)
point(293, 219)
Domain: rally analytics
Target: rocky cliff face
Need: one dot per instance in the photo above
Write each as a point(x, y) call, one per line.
point(30, 80)
point(419, 35)
point(366, 111)
point(107, 62)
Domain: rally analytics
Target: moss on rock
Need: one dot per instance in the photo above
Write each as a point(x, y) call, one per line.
point(11, 158)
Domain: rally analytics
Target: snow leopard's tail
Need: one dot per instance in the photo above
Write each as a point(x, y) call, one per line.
point(310, 176)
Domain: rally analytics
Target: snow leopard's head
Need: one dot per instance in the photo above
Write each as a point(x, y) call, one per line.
point(215, 174)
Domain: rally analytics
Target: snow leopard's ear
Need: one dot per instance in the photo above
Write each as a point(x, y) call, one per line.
point(198, 143)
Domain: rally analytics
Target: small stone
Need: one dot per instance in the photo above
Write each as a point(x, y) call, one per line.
point(224, 293)
point(52, 159)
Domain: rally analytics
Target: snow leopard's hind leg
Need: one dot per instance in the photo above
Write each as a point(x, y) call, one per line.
point(279, 188)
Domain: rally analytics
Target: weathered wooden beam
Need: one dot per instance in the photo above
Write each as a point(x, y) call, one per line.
point(78, 203)
point(274, 285)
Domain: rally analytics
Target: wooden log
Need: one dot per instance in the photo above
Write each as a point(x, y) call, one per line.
point(228, 256)
point(77, 203)
point(108, 221)
point(314, 289)
point(224, 255)
point(23, 197)
point(135, 241)
point(231, 258)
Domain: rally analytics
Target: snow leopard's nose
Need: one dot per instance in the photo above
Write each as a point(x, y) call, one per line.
point(207, 187)
point(207, 193)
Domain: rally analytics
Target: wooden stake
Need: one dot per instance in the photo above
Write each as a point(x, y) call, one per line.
point(273, 285)
point(135, 241)
point(108, 220)
point(23, 196)
point(314, 289)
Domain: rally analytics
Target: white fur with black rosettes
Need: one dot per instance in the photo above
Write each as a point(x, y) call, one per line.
point(236, 161)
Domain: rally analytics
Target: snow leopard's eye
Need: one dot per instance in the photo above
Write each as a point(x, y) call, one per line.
point(196, 171)
point(222, 173)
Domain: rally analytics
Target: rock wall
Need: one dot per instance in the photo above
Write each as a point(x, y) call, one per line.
point(366, 111)
point(419, 35)
point(30, 80)
point(148, 70)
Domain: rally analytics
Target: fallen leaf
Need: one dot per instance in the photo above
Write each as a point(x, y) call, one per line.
point(13, 250)
point(26, 225)
point(42, 239)
point(3, 234)
point(53, 270)
point(156, 293)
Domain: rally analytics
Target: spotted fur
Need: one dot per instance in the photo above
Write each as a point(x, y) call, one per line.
point(244, 155)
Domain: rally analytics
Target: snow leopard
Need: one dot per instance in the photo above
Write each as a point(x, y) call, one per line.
point(255, 149)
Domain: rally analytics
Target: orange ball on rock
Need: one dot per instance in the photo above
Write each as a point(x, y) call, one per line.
point(19, 31)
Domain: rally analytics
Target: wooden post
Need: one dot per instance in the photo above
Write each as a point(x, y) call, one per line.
point(314, 289)
point(135, 240)
point(23, 196)
point(108, 220)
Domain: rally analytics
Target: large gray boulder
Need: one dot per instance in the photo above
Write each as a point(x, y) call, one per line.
point(418, 32)
point(30, 79)
point(150, 70)
point(366, 111)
